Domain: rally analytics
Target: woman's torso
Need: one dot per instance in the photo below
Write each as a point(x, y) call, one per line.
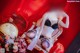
point(51, 24)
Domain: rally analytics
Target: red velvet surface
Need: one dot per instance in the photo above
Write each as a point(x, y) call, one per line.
point(32, 10)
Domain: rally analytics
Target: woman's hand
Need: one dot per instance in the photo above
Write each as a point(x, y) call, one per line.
point(61, 23)
point(34, 23)
point(60, 18)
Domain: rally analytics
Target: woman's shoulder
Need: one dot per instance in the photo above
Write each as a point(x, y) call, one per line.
point(46, 13)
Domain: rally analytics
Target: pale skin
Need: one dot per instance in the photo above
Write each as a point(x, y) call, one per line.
point(61, 24)
point(40, 23)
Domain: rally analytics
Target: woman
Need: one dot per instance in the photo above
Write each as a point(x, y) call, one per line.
point(49, 27)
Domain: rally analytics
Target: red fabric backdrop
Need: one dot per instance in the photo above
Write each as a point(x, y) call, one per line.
point(32, 10)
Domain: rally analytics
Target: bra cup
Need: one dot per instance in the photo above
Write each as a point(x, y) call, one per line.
point(47, 23)
point(55, 26)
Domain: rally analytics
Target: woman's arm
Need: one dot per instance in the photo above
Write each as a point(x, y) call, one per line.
point(32, 27)
point(41, 22)
point(66, 25)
